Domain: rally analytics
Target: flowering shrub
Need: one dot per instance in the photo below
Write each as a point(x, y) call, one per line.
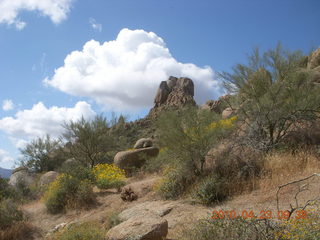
point(108, 176)
point(305, 228)
point(224, 123)
point(68, 191)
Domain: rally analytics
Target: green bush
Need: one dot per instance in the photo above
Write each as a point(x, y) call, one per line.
point(70, 192)
point(211, 190)
point(83, 231)
point(78, 171)
point(173, 183)
point(9, 214)
point(6, 191)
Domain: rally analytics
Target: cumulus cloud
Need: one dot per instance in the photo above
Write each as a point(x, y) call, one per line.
point(40, 120)
point(95, 25)
point(5, 157)
point(56, 10)
point(124, 74)
point(7, 105)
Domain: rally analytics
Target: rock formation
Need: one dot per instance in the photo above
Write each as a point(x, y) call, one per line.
point(175, 92)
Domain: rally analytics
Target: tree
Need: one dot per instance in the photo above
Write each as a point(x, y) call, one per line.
point(189, 134)
point(275, 93)
point(89, 140)
point(39, 156)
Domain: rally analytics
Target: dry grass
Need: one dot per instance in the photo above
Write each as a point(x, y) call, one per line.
point(18, 231)
point(281, 168)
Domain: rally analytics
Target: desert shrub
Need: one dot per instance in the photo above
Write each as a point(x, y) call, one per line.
point(82, 231)
point(307, 228)
point(108, 176)
point(211, 190)
point(113, 220)
point(78, 171)
point(6, 191)
point(189, 134)
point(9, 213)
point(230, 229)
point(68, 191)
point(17, 231)
point(174, 183)
point(275, 94)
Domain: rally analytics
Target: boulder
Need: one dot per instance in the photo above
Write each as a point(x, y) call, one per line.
point(227, 113)
point(162, 93)
point(159, 208)
point(143, 143)
point(23, 176)
point(314, 59)
point(147, 227)
point(186, 86)
point(171, 82)
point(134, 158)
point(48, 178)
point(18, 169)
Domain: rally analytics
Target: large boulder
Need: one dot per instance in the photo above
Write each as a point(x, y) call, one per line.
point(228, 112)
point(134, 158)
point(159, 208)
point(143, 143)
point(147, 227)
point(48, 178)
point(22, 176)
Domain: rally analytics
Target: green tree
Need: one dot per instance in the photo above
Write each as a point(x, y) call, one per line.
point(89, 141)
point(275, 92)
point(189, 134)
point(39, 155)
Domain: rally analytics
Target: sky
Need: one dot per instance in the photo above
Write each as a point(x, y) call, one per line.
point(63, 59)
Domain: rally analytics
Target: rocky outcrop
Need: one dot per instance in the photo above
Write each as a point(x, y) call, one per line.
point(147, 227)
point(48, 178)
point(130, 159)
point(143, 143)
point(173, 93)
point(212, 105)
point(22, 176)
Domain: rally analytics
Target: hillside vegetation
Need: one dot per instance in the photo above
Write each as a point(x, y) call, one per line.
point(251, 159)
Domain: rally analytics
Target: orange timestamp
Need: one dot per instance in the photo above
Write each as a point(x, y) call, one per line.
point(263, 214)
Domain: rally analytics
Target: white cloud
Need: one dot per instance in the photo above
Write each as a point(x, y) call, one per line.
point(7, 105)
point(124, 74)
point(95, 25)
point(56, 10)
point(40, 120)
point(5, 157)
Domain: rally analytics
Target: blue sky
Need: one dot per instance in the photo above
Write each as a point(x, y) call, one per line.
point(61, 59)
